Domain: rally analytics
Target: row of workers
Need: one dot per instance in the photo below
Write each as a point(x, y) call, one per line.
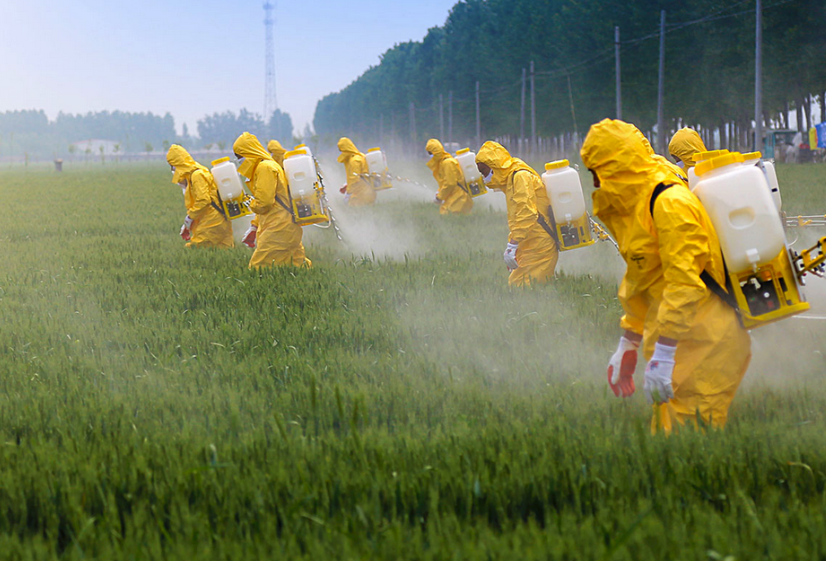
point(697, 350)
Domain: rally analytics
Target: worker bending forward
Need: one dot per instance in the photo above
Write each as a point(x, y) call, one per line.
point(684, 144)
point(204, 224)
point(276, 236)
point(359, 189)
point(531, 253)
point(453, 196)
point(277, 152)
point(697, 350)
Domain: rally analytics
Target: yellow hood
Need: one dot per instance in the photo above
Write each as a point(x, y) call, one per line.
point(435, 147)
point(276, 151)
point(497, 158)
point(184, 164)
point(347, 148)
point(627, 172)
point(247, 146)
point(684, 144)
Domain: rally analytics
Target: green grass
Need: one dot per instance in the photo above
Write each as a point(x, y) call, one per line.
point(158, 402)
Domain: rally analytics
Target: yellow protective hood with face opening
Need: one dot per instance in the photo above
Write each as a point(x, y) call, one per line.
point(684, 144)
point(248, 147)
point(348, 149)
point(184, 164)
point(435, 147)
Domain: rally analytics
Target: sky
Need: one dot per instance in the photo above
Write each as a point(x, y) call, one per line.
point(192, 58)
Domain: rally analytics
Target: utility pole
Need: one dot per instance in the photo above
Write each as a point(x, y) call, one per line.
point(661, 90)
point(758, 79)
point(522, 112)
point(617, 71)
point(270, 98)
point(533, 112)
point(478, 120)
point(413, 124)
point(381, 129)
point(441, 118)
point(450, 116)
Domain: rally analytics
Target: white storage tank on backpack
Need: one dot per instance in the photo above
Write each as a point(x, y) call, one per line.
point(377, 166)
point(473, 179)
point(738, 201)
point(697, 158)
point(230, 188)
point(569, 214)
point(306, 197)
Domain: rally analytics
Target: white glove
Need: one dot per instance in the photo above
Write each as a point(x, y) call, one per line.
point(186, 229)
point(658, 374)
point(437, 200)
point(249, 236)
point(621, 368)
point(510, 256)
point(187, 222)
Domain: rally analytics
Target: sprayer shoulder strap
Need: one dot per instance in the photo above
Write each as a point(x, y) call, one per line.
point(287, 207)
point(212, 202)
point(725, 294)
point(549, 228)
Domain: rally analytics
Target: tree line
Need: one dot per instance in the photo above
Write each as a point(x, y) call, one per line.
point(709, 68)
point(30, 133)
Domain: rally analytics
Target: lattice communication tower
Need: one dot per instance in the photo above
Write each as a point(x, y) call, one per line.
point(270, 98)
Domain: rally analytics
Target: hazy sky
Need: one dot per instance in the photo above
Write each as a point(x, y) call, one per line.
point(193, 58)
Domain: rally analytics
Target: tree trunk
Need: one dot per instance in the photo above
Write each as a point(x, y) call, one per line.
point(799, 116)
point(786, 115)
point(823, 107)
point(723, 135)
point(807, 109)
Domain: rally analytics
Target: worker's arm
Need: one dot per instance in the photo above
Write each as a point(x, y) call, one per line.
point(523, 199)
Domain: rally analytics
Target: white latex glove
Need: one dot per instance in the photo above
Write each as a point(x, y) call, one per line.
point(249, 236)
point(621, 368)
point(437, 200)
point(510, 256)
point(658, 374)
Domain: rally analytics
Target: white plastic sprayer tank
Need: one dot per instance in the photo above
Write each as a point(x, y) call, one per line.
point(301, 175)
point(467, 161)
point(376, 161)
point(564, 191)
point(739, 204)
point(227, 178)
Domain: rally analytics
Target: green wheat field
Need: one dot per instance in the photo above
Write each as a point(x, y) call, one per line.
point(396, 401)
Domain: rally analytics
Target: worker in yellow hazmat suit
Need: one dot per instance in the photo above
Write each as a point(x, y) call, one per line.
point(697, 350)
point(684, 144)
point(359, 189)
point(531, 253)
point(204, 224)
point(453, 196)
point(277, 236)
point(277, 152)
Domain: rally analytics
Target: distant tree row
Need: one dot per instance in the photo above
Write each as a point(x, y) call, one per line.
point(709, 62)
point(31, 133)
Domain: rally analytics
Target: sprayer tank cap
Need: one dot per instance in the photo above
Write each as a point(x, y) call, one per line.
point(700, 156)
point(220, 161)
point(462, 151)
point(373, 150)
point(716, 163)
point(557, 165)
point(291, 153)
point(752, 155)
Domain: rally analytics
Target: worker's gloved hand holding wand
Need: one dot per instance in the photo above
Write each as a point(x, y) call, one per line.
point(622, 365)
point(249, 236)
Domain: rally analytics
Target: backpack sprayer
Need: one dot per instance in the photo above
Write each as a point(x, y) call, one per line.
point(235, 203)
point(568, 213)
point(765, 274)
point(320, 193)
point(307, 200)
point(473, 179)
point(377, 165)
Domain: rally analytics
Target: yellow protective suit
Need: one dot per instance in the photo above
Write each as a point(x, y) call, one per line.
point(662, 293)
point(679, 172)
point(278, 240)
point(452, 189)
point(684, 144)
point(209, 227)
point(277, 152)
point(359, 187)
point(527, 200)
